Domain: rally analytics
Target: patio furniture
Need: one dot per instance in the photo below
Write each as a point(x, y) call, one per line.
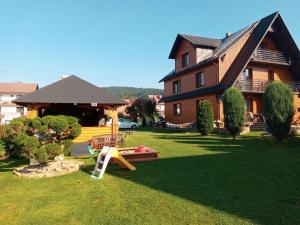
point(111, 140)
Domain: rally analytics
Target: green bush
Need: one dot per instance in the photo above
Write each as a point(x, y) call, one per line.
point(2, 131)
point(205, 118)
point(17, 125)
point(67, 146)
point(19, 137)
point(59, 124)
point(72, 121)
point(278, 109)
point(36, 123)
point(75, 131)
point(234, 111)
point(2, 150)
point(41, 155)
point(27, 145)
point(53, 150)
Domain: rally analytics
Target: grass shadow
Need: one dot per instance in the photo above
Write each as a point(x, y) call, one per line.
point(10, 164)
point(249, 177)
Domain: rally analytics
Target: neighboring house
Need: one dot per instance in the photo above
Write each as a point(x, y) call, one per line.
point(248, 59)
point(160, 106)
point(10, 92)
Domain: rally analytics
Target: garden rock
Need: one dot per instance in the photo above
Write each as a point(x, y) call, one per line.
point(51, 169)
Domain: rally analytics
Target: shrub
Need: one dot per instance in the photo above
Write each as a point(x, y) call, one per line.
point(205, 117)
point(67, 147)
point(19, 135)
point(59, 124)
point(17, 125)
point(41, 155)
point(53, 150)
point(234, 111)
point(36, 123)
point(75, 131)
point(72, 121)
point(278, 109)
point(2, 150)
point(2, 131)
point(27, 145)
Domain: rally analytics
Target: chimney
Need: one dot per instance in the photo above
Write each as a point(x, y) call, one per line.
point(64, 76)
point(228, 34)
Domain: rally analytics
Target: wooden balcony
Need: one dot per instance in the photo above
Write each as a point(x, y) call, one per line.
point(259, 86)
point(270, 56)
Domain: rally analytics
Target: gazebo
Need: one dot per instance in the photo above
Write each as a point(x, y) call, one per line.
point(75, 97)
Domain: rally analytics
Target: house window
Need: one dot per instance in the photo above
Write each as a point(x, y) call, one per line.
point(271, 75)
point(200, 81)
point(247, 74)
point(177, 109)
point(185, 60)
point(20, 110)
point(176, 86)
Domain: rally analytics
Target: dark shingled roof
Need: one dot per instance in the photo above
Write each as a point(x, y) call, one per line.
point(71, 90)
point(196, 41)
point(202, 41)
point(220, 47)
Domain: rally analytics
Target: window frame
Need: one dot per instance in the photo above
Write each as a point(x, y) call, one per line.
point(175, 112)
point(199, 74)
point(185, 60)
point(250, 74)
point(178, 82)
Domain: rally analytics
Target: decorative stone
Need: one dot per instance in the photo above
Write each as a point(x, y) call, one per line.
point(51, 169)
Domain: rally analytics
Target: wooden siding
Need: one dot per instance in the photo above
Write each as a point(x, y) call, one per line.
point(269, 43)
point(188, 80)
point(226, 61)
point(185, 47)
point(296, 118)
point(188, 108)
point(261, 73)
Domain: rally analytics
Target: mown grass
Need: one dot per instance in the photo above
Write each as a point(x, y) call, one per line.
point(198, 180)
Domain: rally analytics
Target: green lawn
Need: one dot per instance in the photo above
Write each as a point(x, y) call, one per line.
point(198, 180)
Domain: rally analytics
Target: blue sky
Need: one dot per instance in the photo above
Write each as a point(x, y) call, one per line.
point(121, 43)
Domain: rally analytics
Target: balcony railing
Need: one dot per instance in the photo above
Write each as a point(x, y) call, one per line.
point(270, 56)
point(259, 86)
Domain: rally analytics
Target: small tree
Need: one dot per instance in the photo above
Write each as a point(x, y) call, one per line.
point(142, 107)
point(205, 117)
point(234, 111)
point(278, 109)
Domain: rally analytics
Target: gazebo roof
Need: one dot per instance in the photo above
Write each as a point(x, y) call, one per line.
point(71, 90)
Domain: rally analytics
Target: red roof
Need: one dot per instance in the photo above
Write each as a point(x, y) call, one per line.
point(17, 88)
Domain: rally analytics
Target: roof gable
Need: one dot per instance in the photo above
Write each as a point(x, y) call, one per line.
point(71, 90)
point(252, 44)
point(196, 41)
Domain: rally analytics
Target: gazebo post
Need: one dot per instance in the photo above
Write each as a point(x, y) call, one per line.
point(113, 113)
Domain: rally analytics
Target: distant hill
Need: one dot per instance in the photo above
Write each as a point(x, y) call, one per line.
point(133, 92)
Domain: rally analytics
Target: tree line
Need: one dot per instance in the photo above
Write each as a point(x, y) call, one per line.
point(133, 92)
